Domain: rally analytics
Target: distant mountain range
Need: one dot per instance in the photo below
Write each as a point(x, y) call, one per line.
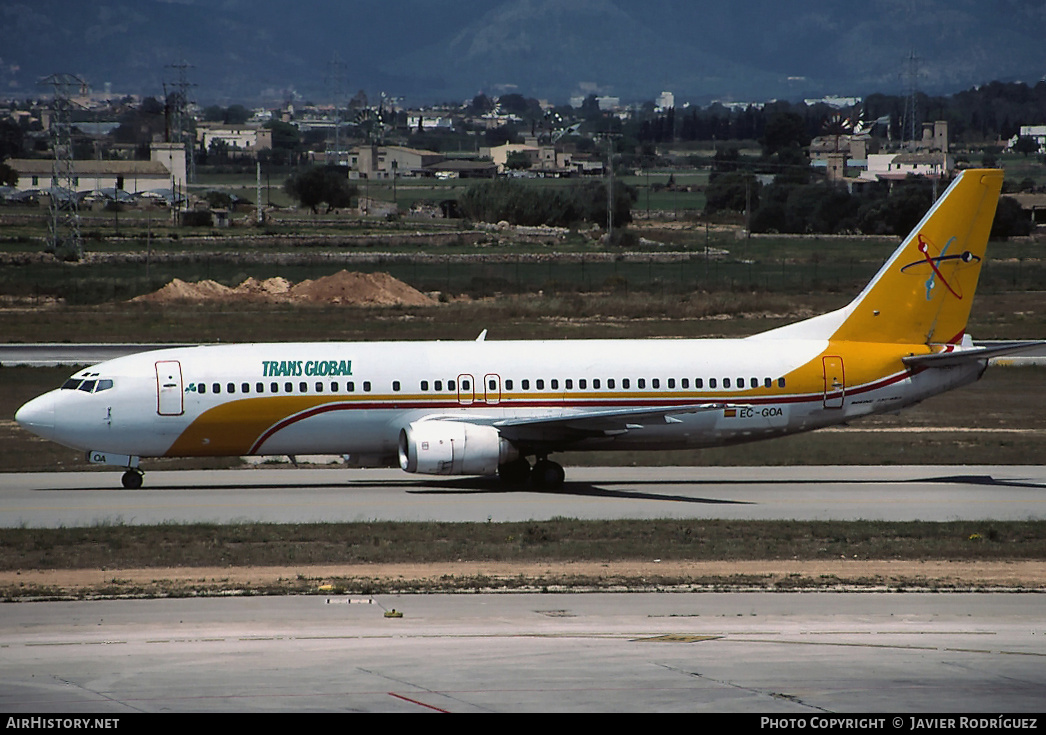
point(262, 51)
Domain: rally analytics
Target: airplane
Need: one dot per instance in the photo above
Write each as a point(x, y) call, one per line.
point(486, 407)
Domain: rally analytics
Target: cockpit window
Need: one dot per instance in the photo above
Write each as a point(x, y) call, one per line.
point(87, 386)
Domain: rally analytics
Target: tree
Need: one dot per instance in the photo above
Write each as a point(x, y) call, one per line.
point(1011, 220)
point(784, 130)
point(1025, 145)
point(237, 115)
point(8, 176)
point(319, 185)
point(518, 161)
point(285, 141)
point(481, 104)
point(732, 192)
point(520, 204)
point(11, 139)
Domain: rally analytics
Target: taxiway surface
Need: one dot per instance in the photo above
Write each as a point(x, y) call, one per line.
point(896, 493)
point(812, 653)
point(800, 652)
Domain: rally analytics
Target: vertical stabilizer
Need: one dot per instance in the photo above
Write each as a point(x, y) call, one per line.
point(923, 293)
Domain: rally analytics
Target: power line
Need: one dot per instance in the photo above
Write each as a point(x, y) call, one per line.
point(180, 127)
point(64, 238)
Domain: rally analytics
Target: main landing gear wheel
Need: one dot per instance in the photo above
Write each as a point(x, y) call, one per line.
point(547, 474)
point(516, 472)
point(132, 479)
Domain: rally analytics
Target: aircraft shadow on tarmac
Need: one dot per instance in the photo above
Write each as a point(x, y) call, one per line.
point(488, 486)
point(577, 489)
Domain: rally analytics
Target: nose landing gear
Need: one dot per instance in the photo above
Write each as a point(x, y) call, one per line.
point(132, 479)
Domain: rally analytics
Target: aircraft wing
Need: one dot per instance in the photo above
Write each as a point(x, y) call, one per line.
point(603, 423)
point(963, 357)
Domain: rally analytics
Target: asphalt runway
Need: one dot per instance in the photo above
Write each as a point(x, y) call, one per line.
point(896, 493)
point(809, 653)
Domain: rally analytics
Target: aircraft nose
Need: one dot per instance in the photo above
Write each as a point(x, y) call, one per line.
point(37, 416)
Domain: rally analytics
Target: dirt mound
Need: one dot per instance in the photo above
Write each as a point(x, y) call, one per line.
point(179, 290)
point(270, 287)
point(379, 289)
point(358, 289)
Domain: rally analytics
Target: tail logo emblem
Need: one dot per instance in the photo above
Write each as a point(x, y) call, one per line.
point(926, 247)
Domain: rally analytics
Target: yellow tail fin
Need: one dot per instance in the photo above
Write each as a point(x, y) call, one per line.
point(924, 292)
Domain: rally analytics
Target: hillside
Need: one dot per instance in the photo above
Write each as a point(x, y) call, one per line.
point(439, 50)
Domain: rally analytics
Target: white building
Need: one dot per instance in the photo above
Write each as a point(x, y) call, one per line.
point(166, 170)
point(1035, 132)
point(898, 166)
point(239, 140)
point(385, 162)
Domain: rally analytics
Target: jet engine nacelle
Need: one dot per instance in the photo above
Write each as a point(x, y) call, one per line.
point(453, 448)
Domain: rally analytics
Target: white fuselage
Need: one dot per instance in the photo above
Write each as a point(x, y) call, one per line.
point(356, 398)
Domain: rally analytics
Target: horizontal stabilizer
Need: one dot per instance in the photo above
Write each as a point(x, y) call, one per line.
point(965, 357)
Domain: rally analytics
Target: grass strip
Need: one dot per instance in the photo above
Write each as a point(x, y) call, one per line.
point(238, 545)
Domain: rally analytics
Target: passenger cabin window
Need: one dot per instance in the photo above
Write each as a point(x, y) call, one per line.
point(366, 386)
point(274, 387)
point(424, 385)
point(230, 388)
point(396, 386)
point(216, 388)
point(641, 383)
point(712, 383)
point(539, 384)
point(625, 383)
point(508, 385)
